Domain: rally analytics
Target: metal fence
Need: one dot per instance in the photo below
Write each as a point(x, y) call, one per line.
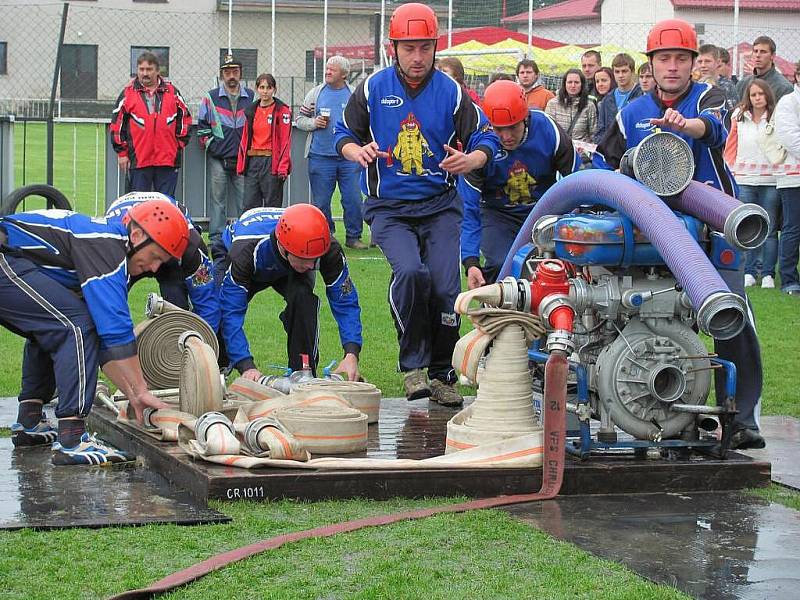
point(291, 39)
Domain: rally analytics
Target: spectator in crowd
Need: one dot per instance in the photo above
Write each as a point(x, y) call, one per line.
point(724, 69)
point(453, 67)
point(499, 196)
point(692, 111)
point(646, 82)
point(706, 64)
point(528, 77)
point(764, 68)
point(591, 61)
point(220, 122)
point(500, 77)
point(787, 124)
point(283, 249)
point(752, 122)
point(603, 83)
point(322, 108)
point(410, 162)
point(572, 110)
point(149, 151)
point(265, 151)
point(626, 90)
point(64, 287)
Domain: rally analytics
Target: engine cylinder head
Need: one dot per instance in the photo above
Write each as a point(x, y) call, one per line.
point(746, 227)
point(722, 315)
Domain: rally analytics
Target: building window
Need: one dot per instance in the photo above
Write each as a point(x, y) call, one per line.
point(162, 52)
point(314, 67)
point(3, 55)
point(79, 71)
point(700, 28)
point(249, 59)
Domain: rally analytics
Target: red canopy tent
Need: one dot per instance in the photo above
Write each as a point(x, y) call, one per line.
point(485, 35)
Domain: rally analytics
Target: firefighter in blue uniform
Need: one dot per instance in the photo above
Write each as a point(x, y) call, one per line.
point(695, 112)
point(187, 283)
point(64, 287)
point(534, 153)
point(413, 131)
point(282, 249)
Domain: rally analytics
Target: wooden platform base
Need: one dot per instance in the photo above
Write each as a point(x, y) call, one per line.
point(417, 430)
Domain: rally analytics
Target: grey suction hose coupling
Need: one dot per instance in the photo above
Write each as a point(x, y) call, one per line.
point(208, 420)
point(746, 227)
point(154, 305)
point(252, 430)
point(722, 315)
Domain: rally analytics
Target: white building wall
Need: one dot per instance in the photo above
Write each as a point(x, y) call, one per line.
point(568, 32)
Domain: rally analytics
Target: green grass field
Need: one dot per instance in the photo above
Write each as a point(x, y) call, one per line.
point(483, 554)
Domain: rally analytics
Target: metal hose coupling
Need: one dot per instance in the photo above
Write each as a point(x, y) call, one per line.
point(208, 420)
point(722, 315)
point(515, 294)
point(746, 227)
point(252, 430)
point(154, 305)
point(185, 337)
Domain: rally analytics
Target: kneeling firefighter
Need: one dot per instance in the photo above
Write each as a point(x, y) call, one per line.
point(282, 249)
point(64, 287)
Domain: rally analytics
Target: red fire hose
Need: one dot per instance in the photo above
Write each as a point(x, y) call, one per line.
point(555, 399)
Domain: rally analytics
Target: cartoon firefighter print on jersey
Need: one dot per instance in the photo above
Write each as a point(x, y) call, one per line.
point(411, 147)
point(519, 184)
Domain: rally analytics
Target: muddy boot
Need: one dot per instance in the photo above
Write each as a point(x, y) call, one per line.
point(416, 385)
point(445, 394)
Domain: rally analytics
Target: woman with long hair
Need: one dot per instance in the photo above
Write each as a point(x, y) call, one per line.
point(750, 141)
point(265, 150)
point(572, 109)
point(604, 84)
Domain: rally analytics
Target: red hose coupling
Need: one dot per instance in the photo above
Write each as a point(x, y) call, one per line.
point(550, 278)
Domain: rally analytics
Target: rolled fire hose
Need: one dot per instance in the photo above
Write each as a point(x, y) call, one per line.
point(363, 396)
point(267, 437)
point(201, 388)
point(326, 430)
point(157, 341)
point(720, 313)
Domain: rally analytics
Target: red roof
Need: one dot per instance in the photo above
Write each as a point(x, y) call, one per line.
point(743, 4)
point(569, 10)
point(485, 35)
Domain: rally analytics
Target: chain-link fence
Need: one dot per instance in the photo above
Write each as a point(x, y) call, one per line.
point(292, 38)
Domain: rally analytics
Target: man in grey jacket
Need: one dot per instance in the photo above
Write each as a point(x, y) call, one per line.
point(764, 68)
point(322, 108)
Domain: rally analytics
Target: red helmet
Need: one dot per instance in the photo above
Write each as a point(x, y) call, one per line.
point(164, 224)
point(303, 231)
point(504, 103)
point(671, 34)
point(413, 21)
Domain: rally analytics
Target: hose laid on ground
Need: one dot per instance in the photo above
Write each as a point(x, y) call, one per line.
point(720, 313)
point(157, 341)
point(554, 407)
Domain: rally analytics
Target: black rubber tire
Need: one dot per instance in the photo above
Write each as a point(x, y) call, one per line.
point(15, 198)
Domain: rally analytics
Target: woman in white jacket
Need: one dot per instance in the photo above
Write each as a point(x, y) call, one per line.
point(787, 123)
point(751, 123)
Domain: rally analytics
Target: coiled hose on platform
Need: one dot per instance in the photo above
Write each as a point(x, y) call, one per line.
point(157, 341)
point(720, 313)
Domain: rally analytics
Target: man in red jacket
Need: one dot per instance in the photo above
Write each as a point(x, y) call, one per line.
point(149, 128)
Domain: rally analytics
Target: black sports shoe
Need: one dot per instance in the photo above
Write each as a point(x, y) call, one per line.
point(747, 439)
point(43, 433)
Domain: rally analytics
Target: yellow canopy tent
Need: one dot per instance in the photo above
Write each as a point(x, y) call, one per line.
point(609, 51)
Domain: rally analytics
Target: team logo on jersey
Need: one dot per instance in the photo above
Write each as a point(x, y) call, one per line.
point(286, 119)
point(391, 101)
point(519, 184)
point(347, 286)
point(501, 155)
point(644, 124)
point(411, 147)
point(202, 276)
point(449, 319)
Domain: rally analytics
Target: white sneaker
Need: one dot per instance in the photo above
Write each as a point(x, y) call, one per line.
point(767, 282)
point(749, 281)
